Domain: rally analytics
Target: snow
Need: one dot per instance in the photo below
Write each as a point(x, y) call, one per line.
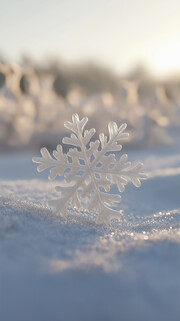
point(57, 269)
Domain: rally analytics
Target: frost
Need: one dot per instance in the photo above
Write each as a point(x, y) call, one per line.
point(90, 169)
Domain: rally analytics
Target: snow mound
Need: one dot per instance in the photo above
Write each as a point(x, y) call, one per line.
point(53, 268)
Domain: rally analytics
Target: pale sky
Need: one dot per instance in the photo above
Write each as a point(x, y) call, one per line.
point(119, 34)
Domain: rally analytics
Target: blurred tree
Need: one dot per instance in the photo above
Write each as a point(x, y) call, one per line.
point(24, 85)
point(61, 85)
point(2, 79)
point(94, 79)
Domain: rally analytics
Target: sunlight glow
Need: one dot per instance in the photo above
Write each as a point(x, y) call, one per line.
point(165, 56)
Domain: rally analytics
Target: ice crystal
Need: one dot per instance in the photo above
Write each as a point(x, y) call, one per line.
point(90, 169)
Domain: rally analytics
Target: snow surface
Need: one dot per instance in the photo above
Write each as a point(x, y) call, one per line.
point(54, 269)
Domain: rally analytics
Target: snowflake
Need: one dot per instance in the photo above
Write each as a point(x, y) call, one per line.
point(89, 169)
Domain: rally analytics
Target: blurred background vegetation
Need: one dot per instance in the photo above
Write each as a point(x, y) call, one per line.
point(38, 94)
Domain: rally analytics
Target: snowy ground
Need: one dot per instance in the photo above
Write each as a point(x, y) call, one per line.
point(52, 269)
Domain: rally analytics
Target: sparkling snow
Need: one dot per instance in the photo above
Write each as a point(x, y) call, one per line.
point(54, 269)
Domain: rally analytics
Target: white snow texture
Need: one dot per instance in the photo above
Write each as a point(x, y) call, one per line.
point(92, 168)
point(55, 269)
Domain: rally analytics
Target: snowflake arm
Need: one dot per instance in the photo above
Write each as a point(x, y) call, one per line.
point(91, 169)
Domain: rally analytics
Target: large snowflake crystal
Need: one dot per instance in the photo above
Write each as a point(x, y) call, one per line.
point(89, 169)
